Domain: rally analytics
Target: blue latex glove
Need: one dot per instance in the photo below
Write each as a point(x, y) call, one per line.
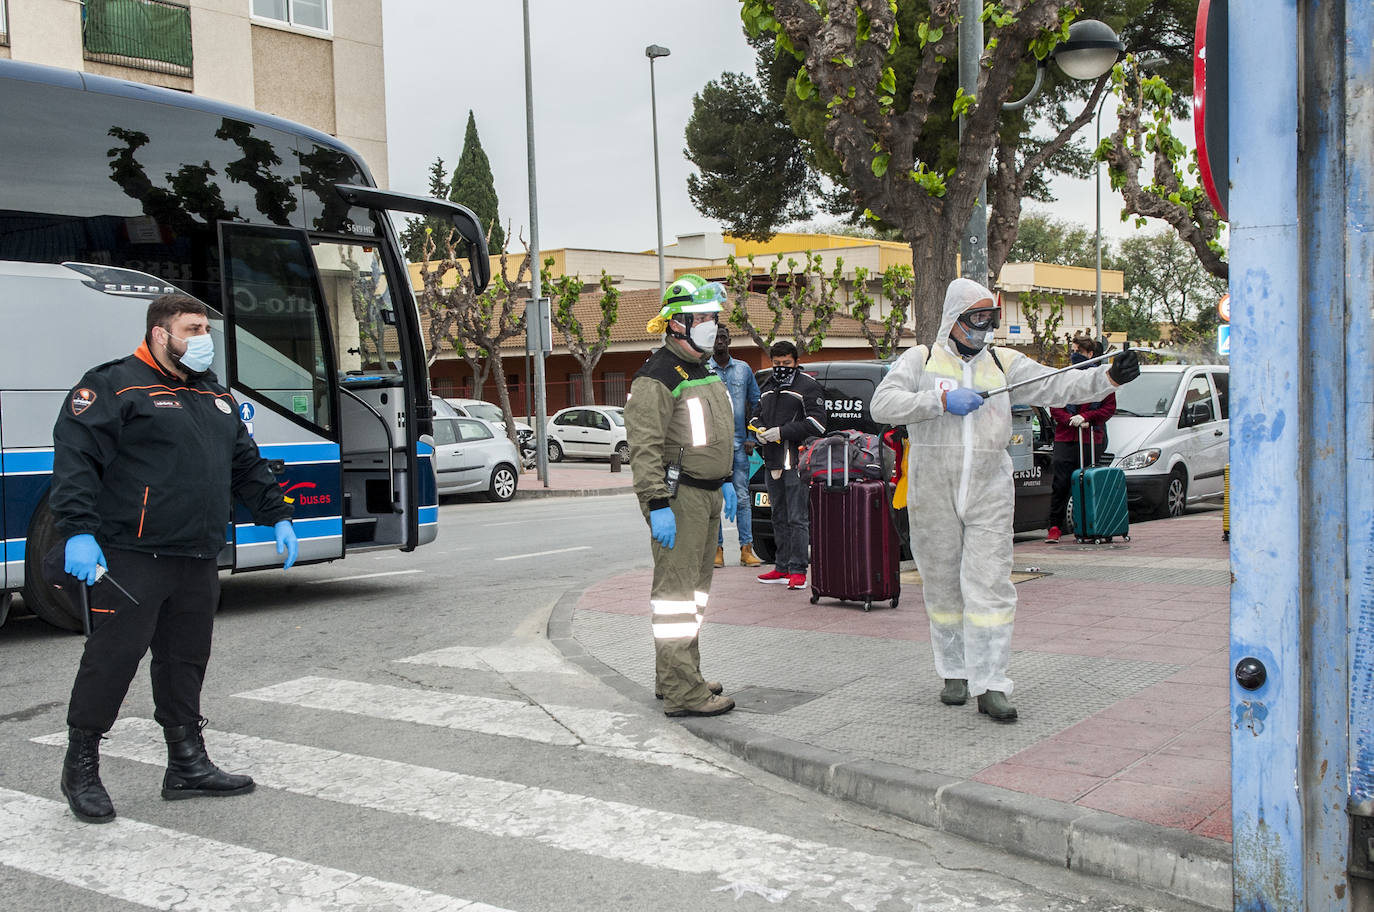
point(731, 500)
point(286, 541)
point(962, 401)
point(663, 526)
point(83, 556)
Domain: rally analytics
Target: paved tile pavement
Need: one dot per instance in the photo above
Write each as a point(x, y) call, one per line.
point(1120, 659)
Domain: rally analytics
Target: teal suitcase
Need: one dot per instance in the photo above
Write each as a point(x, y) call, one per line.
point(1099, 501)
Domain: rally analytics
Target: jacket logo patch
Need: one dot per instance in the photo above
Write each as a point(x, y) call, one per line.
point(167, 403)
point(222, 406)
point(82, 399)
point(681, 371)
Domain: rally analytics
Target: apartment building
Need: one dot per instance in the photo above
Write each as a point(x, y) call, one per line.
point(316, 62)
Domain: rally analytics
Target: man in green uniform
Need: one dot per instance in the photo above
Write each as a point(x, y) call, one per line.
point(680, 425)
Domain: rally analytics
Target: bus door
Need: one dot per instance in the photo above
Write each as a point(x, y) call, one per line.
point(281, 369)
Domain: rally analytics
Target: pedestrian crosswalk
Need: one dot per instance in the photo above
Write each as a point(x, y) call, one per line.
point(164, 869)
point(158, 867)
point(597, 731)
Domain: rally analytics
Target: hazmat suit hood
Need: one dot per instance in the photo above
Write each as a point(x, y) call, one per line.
point(959, 297)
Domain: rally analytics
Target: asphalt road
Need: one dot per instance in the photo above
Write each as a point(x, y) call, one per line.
point(419, 745)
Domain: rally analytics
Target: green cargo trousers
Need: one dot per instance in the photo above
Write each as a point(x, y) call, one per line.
point(682, 583)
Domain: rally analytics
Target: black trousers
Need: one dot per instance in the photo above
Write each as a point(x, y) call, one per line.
point(1065, 461)
point(174, 617)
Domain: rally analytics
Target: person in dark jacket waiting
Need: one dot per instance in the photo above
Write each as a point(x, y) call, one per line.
point(1070, 439)
point(791, 409)
point(148, 454)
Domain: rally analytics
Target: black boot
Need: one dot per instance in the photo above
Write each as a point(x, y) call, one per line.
point(190, 774)
point(81, 778)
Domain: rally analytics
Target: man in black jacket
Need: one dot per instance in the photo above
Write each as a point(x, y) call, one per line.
point(791, 409)
point(149, 453)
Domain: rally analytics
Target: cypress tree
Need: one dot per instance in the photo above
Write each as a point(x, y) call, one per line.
point(473, 187)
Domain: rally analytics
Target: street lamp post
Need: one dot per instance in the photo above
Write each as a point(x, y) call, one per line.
point(653, 52)
point(1091, 49)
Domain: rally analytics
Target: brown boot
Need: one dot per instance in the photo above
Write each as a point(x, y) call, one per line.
point(714, 687)
point(748, 558)
point(720, 555)
point(712, 706)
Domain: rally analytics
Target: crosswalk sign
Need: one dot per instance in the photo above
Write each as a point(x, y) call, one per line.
point(1224, 340)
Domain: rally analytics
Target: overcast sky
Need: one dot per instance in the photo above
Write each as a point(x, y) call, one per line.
point(592, 123)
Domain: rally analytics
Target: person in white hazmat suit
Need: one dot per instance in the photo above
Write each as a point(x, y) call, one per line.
point(960, 490)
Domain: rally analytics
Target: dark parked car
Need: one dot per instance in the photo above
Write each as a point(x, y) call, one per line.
point(849, 387)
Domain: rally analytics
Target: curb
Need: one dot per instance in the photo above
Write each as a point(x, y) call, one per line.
point(1096, 843)
point(540, 493)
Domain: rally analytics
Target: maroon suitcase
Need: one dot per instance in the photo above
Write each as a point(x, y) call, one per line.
point(855, 552)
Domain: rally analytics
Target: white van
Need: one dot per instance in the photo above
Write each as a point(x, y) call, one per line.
point(1170, 434)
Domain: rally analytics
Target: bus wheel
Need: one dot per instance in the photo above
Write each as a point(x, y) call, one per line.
point(6, 599)
point(40, 597)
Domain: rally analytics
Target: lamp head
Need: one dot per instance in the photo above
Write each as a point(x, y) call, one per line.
point(655, 50)
point(1091, 49)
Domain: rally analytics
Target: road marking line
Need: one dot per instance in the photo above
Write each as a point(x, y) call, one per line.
point(165, 869)
point(542, 553)
point(500, 659)
point(344, 579)
point(597, 731)
point(828, 876)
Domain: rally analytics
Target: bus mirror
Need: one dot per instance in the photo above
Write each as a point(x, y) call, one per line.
point(464, 220)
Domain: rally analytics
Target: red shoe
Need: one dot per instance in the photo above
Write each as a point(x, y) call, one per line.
point(796, 581)
point(1053, 537)
point(773, 576)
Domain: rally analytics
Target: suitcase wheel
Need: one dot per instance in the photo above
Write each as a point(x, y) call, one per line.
point(894, 601)
point(815, 597)
point(1125, 538)
point(868, 604)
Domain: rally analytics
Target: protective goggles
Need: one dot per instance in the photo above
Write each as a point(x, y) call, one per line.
point(983, 319)
point(706, 299)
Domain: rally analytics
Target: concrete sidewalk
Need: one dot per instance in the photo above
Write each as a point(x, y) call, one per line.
point(1119, 765)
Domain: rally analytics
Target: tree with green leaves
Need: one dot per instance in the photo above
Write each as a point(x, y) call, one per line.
point(1041, 238)
point(871, 94)
point(566, 292)
point(889, 91)
point(801, 300)
point(1164, 276)
point(413, 234)
point(1043, 313)
point(474, 187)
point(735, 130)
point(896, 285)
point(474, 325)
point(1173, 191)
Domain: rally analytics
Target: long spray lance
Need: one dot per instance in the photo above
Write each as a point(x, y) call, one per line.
point(1011, 386)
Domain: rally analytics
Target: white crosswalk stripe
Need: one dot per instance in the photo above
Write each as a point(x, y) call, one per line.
point(597, 731)
point(741, 857)
point(502, 660)
point(165, 869)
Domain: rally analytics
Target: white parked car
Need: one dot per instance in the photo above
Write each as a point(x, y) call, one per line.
point(490, 413)
point(470, 457)
point(588, 430)
point(1171, 434)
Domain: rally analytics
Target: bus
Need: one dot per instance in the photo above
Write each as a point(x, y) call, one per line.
point(116, 192)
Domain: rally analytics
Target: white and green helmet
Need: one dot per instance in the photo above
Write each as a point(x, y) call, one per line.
point(691, 294)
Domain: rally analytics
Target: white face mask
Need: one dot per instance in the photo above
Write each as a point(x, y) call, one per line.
point(703, 335)
point(199, 354)
point(977, 338)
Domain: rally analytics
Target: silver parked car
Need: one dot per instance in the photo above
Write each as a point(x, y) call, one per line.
point(470, 457)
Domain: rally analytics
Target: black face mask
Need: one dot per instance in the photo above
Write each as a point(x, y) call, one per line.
point(783, 375)
point(1077, 358)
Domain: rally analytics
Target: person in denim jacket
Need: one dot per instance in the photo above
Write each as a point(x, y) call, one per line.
point(739, 380)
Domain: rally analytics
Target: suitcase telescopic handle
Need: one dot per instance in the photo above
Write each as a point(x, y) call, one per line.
point(1092, 447)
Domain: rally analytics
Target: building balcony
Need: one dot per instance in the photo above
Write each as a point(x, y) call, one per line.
point(141, 34)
